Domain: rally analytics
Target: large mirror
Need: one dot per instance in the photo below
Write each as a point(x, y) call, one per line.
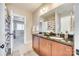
point(67, 23)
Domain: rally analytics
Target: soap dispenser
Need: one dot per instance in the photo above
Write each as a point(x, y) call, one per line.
point(66, 36)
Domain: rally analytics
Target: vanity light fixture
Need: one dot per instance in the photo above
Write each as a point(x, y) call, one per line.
point(43, 10)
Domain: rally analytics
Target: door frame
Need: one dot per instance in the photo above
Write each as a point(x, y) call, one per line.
point(12, 14)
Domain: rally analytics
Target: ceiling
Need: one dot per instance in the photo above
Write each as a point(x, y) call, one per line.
point(27, 6)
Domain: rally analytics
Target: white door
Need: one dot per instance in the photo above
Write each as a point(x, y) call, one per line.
point(2, 30)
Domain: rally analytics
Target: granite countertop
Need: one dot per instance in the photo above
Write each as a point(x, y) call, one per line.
point(57, 39)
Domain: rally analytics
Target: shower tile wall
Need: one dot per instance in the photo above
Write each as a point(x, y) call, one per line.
point(7, 32)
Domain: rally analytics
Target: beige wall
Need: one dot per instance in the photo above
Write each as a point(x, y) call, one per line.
point(28, 20)
point(31, 18)
point(38, 13)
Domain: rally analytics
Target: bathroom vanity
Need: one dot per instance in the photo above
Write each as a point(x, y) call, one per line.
point(60, 21)
point(52, 46)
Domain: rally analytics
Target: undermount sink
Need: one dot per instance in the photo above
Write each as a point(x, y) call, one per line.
point(58, 38)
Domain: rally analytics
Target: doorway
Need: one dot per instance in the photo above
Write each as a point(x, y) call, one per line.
point(18, 31)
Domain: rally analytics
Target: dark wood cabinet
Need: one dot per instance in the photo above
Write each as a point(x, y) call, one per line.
point(45, 47)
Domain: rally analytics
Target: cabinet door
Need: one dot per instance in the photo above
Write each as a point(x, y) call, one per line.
point(36, 43)
point(45, 47)
point(58, 49)
point(68, 51)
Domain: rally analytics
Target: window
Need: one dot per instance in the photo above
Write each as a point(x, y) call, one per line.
point(65, 24)
point(20, 26)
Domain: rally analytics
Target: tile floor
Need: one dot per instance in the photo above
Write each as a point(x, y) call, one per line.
point(24, 50)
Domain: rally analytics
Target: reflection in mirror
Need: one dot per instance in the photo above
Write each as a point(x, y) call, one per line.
point(67, 23)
